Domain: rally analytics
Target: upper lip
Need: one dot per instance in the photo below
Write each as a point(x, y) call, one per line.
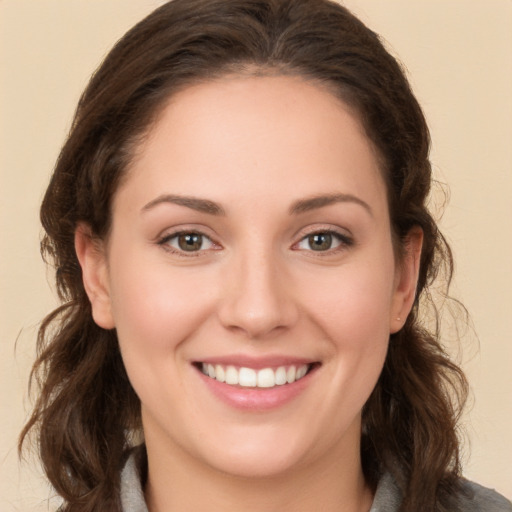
point(271, 361)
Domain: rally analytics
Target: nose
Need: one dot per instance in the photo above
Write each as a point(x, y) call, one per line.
point(258, 298)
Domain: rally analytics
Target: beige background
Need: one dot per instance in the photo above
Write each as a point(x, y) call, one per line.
point(458, 53)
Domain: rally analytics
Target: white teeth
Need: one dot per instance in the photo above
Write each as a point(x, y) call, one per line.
point(250, 378)
point(231, 375)
point(247, 377)
point(301, 371)
point(281, 376)
point(290, 374)
point(220, 374)
point(266, 378)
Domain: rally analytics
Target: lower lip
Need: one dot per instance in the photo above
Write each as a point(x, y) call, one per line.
point(256, 399)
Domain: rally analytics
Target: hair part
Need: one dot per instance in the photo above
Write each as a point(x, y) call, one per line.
point(87, 413)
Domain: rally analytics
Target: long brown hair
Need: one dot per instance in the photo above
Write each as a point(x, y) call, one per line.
point(87, 413)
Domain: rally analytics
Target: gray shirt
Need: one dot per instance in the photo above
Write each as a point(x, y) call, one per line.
point(387, 498)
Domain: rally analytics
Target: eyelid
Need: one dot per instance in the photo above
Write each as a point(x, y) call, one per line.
point(163, 241)
point(346, 240)
point(324, 228)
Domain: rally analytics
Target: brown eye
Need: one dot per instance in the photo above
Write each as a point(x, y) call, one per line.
point(324, 241)
point(320, 241)
point(187, 241)
point(190, 241)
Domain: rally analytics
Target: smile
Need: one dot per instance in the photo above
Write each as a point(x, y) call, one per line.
point(255, 378)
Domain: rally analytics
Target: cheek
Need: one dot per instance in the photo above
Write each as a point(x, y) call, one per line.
point(154, 305)
point(349, 309)
point(352, 309)
point(353, 304)
point(156, 312)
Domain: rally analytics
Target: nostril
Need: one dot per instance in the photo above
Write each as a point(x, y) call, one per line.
point(256, 316)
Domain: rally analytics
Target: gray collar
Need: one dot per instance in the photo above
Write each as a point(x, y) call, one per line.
point(132, 496)
point(387, 497)
point(473, 497)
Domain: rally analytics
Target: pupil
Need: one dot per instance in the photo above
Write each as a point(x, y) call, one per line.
point(320, 241)
point(190, 242)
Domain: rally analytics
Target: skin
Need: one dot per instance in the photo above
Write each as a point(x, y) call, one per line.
point(254, 146)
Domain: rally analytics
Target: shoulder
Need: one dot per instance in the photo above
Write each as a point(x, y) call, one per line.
point(471, 497)
point(476, 498)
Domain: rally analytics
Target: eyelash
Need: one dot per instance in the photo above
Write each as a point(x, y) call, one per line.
point(343, 241)
point(165, 243)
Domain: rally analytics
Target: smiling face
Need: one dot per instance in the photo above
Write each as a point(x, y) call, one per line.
point(251, 242)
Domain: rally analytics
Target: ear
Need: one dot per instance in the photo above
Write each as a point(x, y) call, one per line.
point(406, 279)
point(92, 258)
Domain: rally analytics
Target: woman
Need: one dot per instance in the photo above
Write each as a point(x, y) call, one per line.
point(239, 228)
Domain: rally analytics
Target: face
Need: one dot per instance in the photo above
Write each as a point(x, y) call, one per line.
point(250, 276)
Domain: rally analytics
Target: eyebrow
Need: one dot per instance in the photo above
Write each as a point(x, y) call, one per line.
point(315, 202)
point(195, 203)
point(300, 206)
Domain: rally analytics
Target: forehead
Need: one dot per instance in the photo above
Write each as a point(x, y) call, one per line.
point(266, 133)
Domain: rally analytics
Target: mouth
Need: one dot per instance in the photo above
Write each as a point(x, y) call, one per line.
point(247, 377)
point(256, 385)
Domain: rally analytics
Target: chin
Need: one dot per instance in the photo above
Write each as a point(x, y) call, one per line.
point(256, 463)
point(254, 452)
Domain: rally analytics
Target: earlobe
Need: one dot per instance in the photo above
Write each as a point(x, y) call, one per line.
point(91, 256)
point(407, 279)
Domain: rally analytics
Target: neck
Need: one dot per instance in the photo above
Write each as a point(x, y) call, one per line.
point(178, 482)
